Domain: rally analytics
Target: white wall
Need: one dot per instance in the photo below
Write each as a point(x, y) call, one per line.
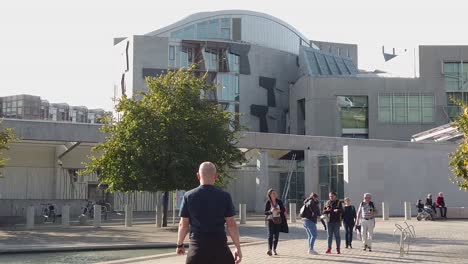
point(395, 174)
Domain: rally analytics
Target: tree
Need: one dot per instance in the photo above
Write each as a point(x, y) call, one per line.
point(459, 159)
point(6, 136)
point(163, 137)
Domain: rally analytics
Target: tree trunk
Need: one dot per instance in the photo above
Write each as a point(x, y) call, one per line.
point(165, 209)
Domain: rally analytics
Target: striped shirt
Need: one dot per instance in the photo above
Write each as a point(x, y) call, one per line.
point(366, 210)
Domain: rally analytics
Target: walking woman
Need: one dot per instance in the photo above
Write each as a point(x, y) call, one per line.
point(309, 220)
point(275, 215)
point(349, 219)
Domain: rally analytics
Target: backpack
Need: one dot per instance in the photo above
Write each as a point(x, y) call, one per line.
point(305, 211)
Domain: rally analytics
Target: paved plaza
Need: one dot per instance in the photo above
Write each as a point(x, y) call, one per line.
point(436, 242)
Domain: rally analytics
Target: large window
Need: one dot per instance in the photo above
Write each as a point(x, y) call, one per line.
point(210, 29)
point(233, 60)
point(227, 87)
point(331, 176)
point(406, 108)
point(456, 86)
point(353, 116)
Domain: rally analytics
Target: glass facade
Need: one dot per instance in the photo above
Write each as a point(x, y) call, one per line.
point(406, 108)
point(456, 86)
point(233, 61)
point(253, 29)
point(325, 64)
point(227, 87)
point(331, 176)
point(209, 29)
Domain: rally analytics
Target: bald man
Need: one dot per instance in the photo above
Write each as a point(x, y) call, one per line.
point(204, 211)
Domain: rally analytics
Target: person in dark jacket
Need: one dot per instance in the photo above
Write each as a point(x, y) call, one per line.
point(334, 210)
point(349, 219)
point(276, 217)
point(429, 203)
point(309, 220)
point(440, 203)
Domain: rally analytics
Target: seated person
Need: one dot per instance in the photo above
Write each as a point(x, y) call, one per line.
point(440, 203)
point(429, 203)
point(420, 206)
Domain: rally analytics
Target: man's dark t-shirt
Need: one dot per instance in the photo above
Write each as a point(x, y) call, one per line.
point(207, 206)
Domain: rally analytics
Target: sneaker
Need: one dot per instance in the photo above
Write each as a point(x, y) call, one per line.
point(365, 247)
point(269, 252)
point(274, 252)
point(350, 246)
point(328, 251)
point(346, 246)
point(313, 252)
point(338, 251)
point(369, 248)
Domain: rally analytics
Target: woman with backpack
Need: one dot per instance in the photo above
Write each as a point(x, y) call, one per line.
point(366, 219)
point(309, 213)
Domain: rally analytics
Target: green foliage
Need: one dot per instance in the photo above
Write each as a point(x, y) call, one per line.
point(6, 136)
point(163, 137)
point(459, 159)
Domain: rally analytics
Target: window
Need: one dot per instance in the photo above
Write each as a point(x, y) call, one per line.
point(353, 112)
point(171, 53)
point(233, 61)
point(406, 108)
point(456, 76)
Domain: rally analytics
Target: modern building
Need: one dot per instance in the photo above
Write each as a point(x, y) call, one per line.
point(283, 82)
point(32, 107)
point(316, 121)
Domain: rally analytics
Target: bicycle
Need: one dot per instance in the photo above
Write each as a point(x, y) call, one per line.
point(88, 209)
point(48, 213)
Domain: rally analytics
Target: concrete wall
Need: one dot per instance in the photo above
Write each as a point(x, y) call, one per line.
point(395, 174)
point(323, 115)
point(266, 62)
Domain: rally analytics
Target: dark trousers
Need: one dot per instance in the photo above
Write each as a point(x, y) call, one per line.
point(273, 235)
point(348, 232)
point(333, 229)
point(211, 250)
point(443, 211)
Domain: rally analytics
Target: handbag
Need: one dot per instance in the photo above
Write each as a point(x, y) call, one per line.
point(277, 220)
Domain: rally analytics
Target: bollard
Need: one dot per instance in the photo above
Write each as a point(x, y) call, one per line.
point(66, 215)
point(30, 217)
point(128, 215)
point(97, 215)
point(385, 211)
point(407, 210)
point(159, 209)
point(292, 212)
point(243, 213)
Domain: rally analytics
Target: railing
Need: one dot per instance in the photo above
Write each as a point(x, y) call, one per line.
point(407, 235)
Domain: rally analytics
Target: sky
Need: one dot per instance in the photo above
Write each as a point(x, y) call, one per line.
point(62, 50)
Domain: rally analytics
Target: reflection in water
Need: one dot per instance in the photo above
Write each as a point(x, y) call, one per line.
point(80, 257)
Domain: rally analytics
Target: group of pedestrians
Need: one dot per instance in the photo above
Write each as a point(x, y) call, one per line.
point(207, 214)
point(361, 220)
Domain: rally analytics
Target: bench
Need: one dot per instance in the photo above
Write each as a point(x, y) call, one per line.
point(456, 212)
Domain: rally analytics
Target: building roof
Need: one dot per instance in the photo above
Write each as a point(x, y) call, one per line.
point(320, 63)
point(438, 134)
point(197, 17)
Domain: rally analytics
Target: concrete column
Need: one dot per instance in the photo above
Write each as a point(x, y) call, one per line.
point(243, 213)
point(66, 215)
point(97, 215)
point(311, 173)
point(262, 181)
point(385, 211)
point(159, 210)
point(292, 213)
point(30, 217)
point(407, 210)
point(128, 215)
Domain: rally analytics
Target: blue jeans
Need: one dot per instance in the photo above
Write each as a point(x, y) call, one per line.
point(311, 229)
point(334, 229)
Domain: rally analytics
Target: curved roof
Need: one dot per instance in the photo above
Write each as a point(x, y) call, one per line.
point(207, 15)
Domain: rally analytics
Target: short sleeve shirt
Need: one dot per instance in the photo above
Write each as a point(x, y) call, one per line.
point(207, 207)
